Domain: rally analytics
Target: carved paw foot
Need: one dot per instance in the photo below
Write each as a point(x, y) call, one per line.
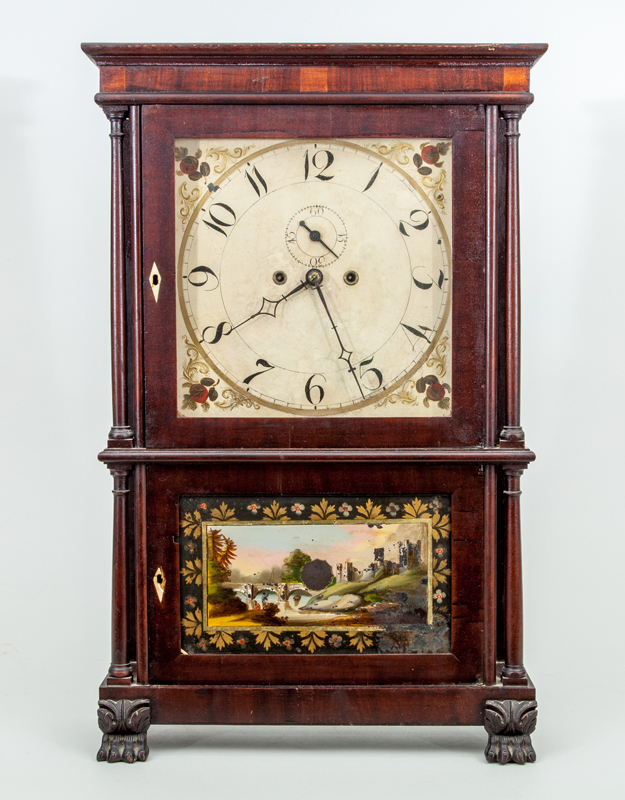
point(509, 724)
point(124, 724)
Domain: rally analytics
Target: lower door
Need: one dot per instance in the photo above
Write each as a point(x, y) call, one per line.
point(315, 574)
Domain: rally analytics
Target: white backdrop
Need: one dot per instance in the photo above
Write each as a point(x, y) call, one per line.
point(56, 501)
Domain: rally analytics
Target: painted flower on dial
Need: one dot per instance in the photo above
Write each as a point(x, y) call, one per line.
point(434, 391)
point(203, 505)
point(439, 551)
point(201, 392)
point(190, 165)
point(202, 644)
point(392, 509)
point(345, 509)
point(190, 546)
point(253, 508)
point(335, 640)
point(298, 508)
point(439, 596)
point(190, 601)
point(430, 154)
point(242, 642)
point(198, 394)
point(288, 643)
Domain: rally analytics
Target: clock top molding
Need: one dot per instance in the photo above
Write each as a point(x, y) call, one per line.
point(314, 73)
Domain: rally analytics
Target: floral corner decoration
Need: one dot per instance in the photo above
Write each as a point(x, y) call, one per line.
point(434, 391)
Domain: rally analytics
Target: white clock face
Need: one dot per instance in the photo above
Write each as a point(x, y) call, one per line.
point(314, 276)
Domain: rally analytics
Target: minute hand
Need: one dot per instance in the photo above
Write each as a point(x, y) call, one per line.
point(346, 355)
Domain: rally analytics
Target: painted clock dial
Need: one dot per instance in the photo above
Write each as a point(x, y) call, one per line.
point(314, 277)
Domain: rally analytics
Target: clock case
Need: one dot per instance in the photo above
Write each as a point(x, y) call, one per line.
point(473, 94)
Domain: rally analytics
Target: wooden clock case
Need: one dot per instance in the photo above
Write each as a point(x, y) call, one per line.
point(475, 94)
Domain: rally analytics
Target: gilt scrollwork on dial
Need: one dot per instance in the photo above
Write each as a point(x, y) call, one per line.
point(226, 157)
point(188, 199)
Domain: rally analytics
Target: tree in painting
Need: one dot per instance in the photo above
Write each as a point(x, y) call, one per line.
point(293, 563)
point(222, 602)
point(220, 553)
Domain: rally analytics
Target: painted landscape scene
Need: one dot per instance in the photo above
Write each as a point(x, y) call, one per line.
point(381, 583)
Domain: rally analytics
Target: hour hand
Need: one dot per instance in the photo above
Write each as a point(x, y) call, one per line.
point(315, 236)
point(269, 307)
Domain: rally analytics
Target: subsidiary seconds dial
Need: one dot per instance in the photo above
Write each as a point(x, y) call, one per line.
point(316, 236)
point(315, 277)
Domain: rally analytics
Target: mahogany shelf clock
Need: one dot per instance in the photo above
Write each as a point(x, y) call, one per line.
point(316, 444)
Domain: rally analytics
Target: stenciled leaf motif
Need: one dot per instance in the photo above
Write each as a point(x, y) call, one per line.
point(440, 572)
point(275, 511)
point(192, 572)
point(416, 509)
point(323, 510)
point(192, 524)
point(360, 640)
point(369, 511)
point(221, 639)
point(192, 623)
point(405, 395)
point(312, 639)
point(440, 526)
point(266, 639)
point(223, 513)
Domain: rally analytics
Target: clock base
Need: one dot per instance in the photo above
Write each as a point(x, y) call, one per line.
point(507, 712)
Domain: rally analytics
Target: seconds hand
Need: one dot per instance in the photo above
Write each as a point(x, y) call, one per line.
point(315, 236)
point(346, 355)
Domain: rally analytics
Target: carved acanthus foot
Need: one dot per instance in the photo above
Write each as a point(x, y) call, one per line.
point(509, 724)
point(124, 724)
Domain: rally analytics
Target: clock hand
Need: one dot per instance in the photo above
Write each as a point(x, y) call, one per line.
point(346, 355)
point(315, 236)
point(268, 307)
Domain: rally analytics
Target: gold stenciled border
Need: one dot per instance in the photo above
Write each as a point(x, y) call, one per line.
point(374, 398)
point(275, 628)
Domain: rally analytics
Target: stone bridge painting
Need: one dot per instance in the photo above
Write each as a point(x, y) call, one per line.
point(315, 574)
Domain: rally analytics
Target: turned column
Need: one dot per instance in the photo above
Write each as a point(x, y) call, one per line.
point(120, 670)
point(512, 432)
point(120, 433)
point(513, 671)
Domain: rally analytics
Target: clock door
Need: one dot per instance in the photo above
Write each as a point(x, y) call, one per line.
point(332, 574)
point(317, 283)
